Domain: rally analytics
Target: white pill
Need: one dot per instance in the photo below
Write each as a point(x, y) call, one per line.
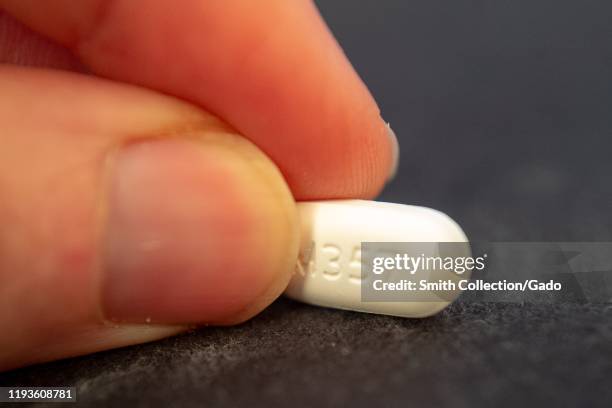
point(328, 272)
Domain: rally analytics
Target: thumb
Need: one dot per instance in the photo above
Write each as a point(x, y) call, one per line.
point(127, 216)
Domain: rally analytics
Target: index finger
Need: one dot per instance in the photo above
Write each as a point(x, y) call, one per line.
point(269, 68)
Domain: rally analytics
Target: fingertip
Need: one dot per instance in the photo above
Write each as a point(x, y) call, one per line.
point(203, 220)
point(272, 70)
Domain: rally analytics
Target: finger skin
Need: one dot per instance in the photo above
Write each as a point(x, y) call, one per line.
point(270, 68)
point(59, 293)
point(19, 45)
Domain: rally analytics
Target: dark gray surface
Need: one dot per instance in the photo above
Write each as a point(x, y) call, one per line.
point(504, 114)
point(295, 355)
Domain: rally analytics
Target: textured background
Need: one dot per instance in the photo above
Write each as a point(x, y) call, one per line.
point(504, 114)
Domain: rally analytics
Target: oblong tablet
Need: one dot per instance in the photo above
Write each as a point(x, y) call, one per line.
point(328, 272)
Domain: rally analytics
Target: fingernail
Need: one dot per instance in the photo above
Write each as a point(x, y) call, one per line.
point(180, 245)
point(395, 153)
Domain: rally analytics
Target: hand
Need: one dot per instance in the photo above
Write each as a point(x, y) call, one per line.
point(129, 211)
